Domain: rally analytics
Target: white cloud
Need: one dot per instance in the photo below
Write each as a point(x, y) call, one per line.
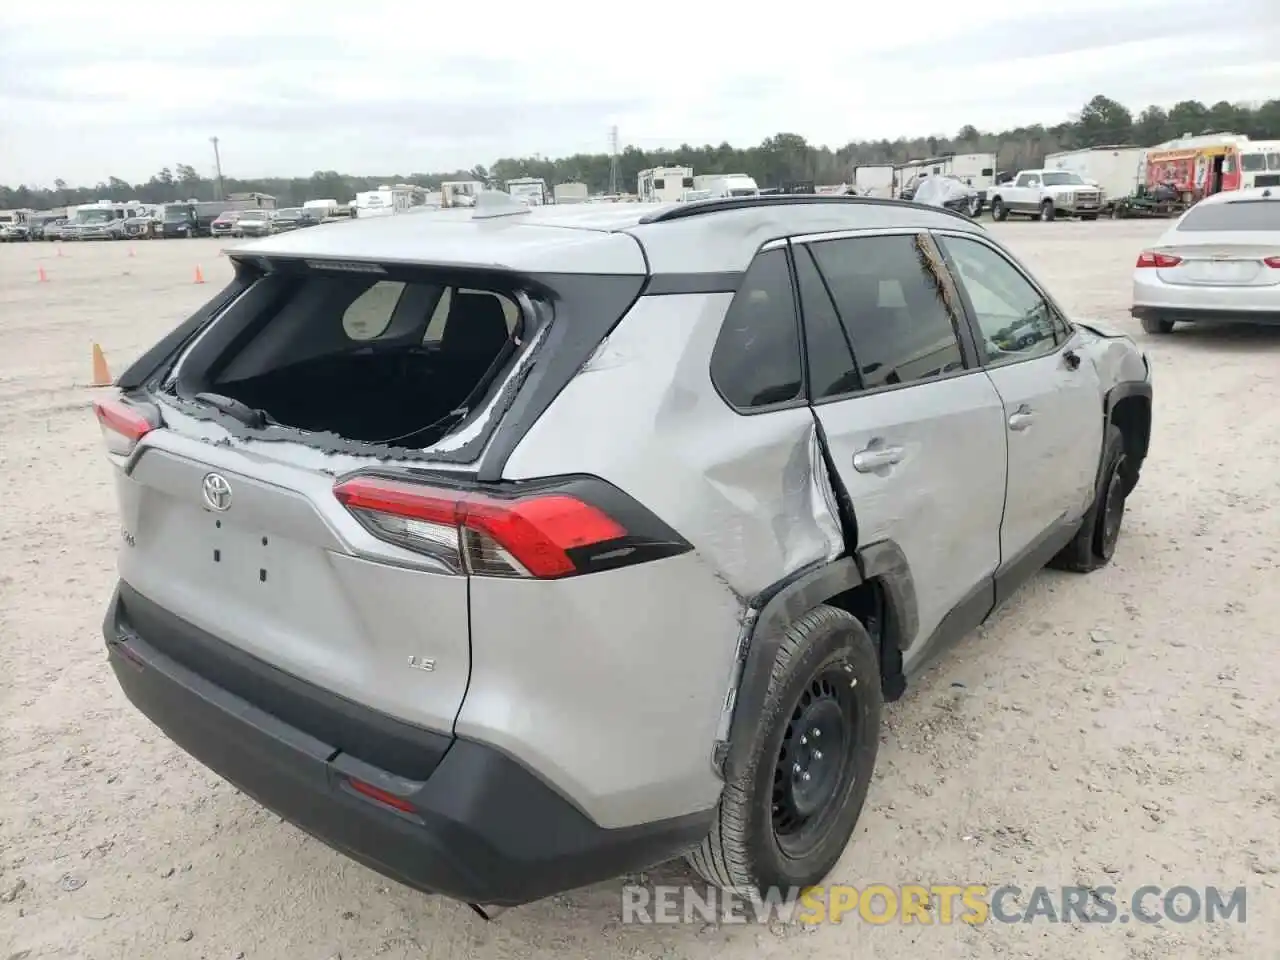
point(384, 87)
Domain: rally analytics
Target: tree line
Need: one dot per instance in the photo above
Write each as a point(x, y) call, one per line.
point(783, 158)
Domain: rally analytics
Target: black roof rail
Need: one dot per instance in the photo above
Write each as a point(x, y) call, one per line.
point(694, 208)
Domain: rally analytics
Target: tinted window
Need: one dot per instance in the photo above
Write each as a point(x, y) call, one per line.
point(1233, 215)
point(756, 360)
point(890, 302)
point(1015, 321)
point(1253, 162)
point(831, 367)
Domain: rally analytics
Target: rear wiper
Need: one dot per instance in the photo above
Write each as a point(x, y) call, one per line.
point(247, 415)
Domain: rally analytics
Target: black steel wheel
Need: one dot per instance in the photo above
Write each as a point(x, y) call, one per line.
point(786, 816)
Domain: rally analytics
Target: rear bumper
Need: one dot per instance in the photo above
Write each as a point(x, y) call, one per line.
point(484, 829)
point(1205, 315)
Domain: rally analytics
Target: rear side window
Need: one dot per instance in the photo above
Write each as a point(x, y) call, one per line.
point(1233, 215)
point(756, 359)
point(890, 301)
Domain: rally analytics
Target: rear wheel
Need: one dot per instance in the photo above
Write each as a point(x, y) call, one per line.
point(1095, 542)
point(1156, 325)
point(998, 210)
point(787, 818)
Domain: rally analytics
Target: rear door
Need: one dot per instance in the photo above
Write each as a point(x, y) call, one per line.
point(915, 429)
point(1051, 395)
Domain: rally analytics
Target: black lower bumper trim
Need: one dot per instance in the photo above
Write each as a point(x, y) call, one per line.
point(1199, 315)
point(483, 828)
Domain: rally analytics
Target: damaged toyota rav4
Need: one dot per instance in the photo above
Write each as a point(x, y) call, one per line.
point(508, 550)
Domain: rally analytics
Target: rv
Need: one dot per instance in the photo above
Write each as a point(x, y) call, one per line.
point(460, 193)
point(727, 185)
point(664, 184)
point(388, 200)
point(528, 190)
point(977, 170)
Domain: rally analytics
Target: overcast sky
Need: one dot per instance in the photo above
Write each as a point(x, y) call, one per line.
point(376, 87)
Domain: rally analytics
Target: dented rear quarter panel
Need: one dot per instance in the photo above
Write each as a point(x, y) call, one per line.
point(1116, 357)
point(751, 496)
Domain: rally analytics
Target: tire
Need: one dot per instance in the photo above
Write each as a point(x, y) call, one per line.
point(1156, 325)
point(1047, 212)
point(998, 210)
point(975, 208)
point(826, 676)
point(1095, 542)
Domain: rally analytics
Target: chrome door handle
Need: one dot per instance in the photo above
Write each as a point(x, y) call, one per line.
point(876, 458)
point(1021, 419)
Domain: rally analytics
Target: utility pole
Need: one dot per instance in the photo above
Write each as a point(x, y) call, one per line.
point(217, 163)
point(613, 161)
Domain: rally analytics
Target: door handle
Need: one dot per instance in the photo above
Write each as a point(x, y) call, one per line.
point(876, 457)
point(1021, 418)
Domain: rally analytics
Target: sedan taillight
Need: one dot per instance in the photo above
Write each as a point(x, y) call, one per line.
point(1150, 258)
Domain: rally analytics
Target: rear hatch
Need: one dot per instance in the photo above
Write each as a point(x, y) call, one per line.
point(262, 453)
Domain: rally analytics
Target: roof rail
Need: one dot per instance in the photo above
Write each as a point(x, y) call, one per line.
point(694, 208)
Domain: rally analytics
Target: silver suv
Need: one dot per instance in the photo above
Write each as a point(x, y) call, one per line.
point(511, 549)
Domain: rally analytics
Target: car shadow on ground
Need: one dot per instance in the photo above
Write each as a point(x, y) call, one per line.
point(1227, 337)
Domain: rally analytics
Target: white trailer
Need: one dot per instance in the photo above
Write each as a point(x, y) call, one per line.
point(528, 190)
point(873, 180)
point(664, 184)
point(570, 193)
point(1115, 170)
point(727, 185)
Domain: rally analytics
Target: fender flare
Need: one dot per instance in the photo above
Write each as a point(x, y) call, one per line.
point(1125, 389)
point(787, 601)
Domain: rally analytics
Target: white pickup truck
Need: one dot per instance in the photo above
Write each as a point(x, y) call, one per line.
point(1045, 195)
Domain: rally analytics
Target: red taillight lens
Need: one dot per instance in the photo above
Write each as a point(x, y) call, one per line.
point(529, 536)
point(122, 426)
point(1273, 262)
point(1149, 258)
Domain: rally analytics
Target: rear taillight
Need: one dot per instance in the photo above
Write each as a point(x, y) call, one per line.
point(1149, 258)
point(1273, 262)
point(122, 425)
point(578, 526)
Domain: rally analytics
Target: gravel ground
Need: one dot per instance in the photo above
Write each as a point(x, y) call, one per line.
point(1116, 729)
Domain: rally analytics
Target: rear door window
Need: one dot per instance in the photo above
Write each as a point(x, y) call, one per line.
point(891, 304)
point(756, 360)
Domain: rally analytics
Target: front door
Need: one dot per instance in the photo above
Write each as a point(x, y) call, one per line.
point(915, 429)
point(1050, 394)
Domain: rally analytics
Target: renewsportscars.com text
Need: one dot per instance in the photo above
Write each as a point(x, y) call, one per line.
point(936, 904)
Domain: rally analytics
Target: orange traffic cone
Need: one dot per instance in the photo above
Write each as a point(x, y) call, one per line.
point(101, 375)
point(42, 276)
point(199, 275)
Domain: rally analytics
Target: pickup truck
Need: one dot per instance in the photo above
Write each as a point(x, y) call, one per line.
point(1045, 195)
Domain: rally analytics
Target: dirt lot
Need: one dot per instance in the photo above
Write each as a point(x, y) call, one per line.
point(1117, 729)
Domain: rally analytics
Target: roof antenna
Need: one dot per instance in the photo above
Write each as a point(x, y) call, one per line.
point(497, 203)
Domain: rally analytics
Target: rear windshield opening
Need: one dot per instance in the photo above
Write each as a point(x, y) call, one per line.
point(1233, 215)
point(396, 362)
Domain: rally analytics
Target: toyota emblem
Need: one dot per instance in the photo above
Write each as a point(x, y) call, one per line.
point(217, 492)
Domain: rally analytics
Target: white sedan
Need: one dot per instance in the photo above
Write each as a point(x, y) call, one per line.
point(1220, 262)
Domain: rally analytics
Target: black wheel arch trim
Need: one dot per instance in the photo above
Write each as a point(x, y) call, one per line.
point(1125, 389)
point(785, 602)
